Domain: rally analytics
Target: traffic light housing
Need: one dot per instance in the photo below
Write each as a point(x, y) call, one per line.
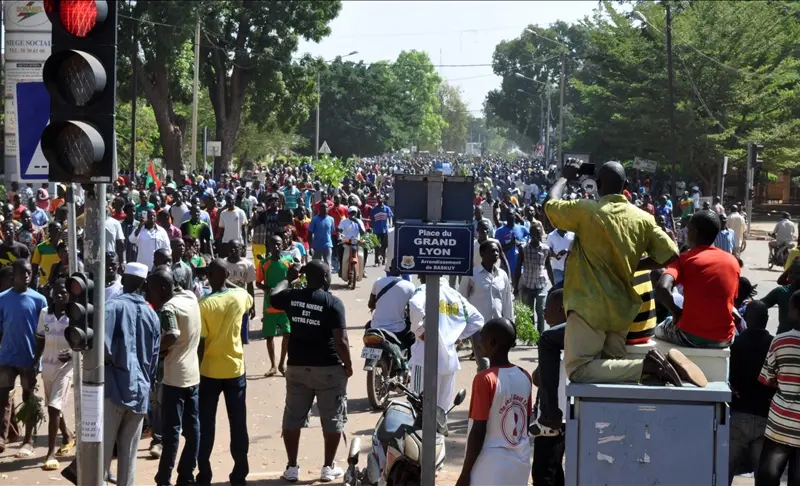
point(753, 149)
point(80, 311)
point(80, 75)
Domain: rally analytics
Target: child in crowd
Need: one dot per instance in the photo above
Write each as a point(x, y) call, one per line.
point(782, 437)
point(56, 361)
point(498, 449)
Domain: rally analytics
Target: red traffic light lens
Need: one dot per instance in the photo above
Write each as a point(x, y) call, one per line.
point(75, 286)
point(79, 17)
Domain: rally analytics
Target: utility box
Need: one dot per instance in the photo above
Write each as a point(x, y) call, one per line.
point(633, 435)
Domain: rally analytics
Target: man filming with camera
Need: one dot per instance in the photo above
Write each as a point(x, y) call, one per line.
point(611, 235)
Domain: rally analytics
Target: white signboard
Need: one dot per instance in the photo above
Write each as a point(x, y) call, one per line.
point(25, 16)
point(214, 149)
point(27, 46)
point(645, 165)
point(324, 149)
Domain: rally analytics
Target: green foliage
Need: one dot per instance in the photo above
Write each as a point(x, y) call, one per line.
point(31, 411)
point(736, 78)
point(331, 171)
point(524, 322)
point(370, 241)
point(381, 107)
point(248, 63)
point(456, 116)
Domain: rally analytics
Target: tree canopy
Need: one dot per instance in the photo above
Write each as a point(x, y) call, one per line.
point(735, 79)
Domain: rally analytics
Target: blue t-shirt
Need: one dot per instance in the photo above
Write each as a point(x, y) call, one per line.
point(380, 219)
point(320, 230)
point(506, 235)
point(19, 317)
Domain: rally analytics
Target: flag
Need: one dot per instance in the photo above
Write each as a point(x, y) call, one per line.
point(152, 178)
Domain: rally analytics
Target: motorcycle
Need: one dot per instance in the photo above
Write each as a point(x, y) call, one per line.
point(397, 445)
point(352, 269)
point(386, 363)
point(778, 256)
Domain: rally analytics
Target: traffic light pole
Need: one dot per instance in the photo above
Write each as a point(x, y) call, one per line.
point(91, 458)
point(77, 357)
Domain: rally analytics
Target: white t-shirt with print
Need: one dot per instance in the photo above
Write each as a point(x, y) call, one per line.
point(52, 330)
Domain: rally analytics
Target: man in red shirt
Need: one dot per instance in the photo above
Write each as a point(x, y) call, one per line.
point(710, 279)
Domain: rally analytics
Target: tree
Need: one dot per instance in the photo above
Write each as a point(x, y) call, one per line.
point(521, 105)
point(456, 117)
point(418, 98)
point(165, 30)
point(359, 112)
point(247, 53)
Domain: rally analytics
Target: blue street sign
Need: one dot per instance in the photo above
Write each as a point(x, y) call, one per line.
point(33, 114)
point(443, 249)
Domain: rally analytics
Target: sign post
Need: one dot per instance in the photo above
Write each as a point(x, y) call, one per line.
point(425, 244)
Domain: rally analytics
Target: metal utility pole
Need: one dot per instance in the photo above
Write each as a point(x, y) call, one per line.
point(194, 95)
point(316, 138)
point(431, 359)
point(722, 179)
point(547, 129)
point(134, 102)
point(561, 108)
point(90, 462)
point(673, 161)
point(205, 148)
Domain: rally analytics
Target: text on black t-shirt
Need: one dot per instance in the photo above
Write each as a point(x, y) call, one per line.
point(314, 314)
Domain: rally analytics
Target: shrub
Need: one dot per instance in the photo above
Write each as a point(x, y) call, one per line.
point(524, 321)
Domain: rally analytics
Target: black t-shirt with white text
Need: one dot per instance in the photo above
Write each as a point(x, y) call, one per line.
point(314, 314)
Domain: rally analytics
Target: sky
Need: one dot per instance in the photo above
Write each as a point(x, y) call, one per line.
point(451, 32)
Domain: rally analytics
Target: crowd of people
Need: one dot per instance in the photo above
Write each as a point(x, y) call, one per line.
point(180, 290)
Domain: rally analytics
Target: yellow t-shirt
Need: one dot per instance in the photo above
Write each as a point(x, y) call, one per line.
point(221, 315)
point(44, 255)
point(792, 255)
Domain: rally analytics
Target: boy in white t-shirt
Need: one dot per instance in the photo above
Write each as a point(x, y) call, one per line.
point(56, 361)
point(498, 448)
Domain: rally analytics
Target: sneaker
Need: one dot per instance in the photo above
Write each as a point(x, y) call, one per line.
point(330, 473)
point(538, 430)
point(155, 451)
point(292, 473)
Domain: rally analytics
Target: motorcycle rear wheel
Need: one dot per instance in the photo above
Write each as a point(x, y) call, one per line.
point(377, 387)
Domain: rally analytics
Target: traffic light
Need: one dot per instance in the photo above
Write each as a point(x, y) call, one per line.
point(753, 150)
point(80, 75)
point(80, 311)
point(751, 194)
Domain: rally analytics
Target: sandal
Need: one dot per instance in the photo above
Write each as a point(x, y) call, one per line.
point(65, 449)
point(51, 465)
point(25, 451)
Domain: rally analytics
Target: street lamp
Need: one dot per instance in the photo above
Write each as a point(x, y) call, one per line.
point(670, 88)
point(319, 98)
point(530, 79)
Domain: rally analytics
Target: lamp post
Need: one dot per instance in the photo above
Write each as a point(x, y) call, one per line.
point(319, 98)
point(561, 88)
point(671, 90)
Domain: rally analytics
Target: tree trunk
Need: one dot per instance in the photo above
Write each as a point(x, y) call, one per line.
point(171, 126)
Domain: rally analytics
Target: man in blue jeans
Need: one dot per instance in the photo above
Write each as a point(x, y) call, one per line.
point(179, 314)
point(222, 372)
point(320, 230)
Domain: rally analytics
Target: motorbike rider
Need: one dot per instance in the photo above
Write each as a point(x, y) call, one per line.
point(784, 233)
point(389, 303)
point(458, 319)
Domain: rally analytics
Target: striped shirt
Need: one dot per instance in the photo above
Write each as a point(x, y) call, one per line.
point(534, 272)
point(644, 324)
point(726, 240)
point(782, 369)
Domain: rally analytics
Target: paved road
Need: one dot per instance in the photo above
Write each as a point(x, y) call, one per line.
point(266, 397)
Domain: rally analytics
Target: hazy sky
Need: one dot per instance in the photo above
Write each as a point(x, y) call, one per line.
point(451, 32)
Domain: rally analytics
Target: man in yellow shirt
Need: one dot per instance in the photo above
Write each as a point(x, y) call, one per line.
point(599, 295)
point(222, 371)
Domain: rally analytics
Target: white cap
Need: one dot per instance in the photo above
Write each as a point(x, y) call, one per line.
point(136, 269)
point(353, 209)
